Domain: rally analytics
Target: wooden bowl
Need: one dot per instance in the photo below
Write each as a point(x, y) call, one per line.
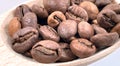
point(11, 58)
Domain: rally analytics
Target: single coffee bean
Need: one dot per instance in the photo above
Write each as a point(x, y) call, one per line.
point(24, 39)
point(13, 26)
point(116, 29)
point(105, 40)
point(21, 10)
point(65, 53)
point(67, 29)
point(48, 33)
point(76, 13)
point(91, 9)
point(85, 30)
point(45, 51)
point(115, 7)
point(30, 19)
point(107, 19)
point(102, 3)
point(98, 29)
point(55, 19)
point(82, 48)
point(40, 11)
point(56, 5)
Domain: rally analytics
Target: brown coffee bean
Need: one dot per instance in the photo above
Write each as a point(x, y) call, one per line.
point(40, 11)
point(85, 30)
point(56, 5)
point(102, 3)
point(29, 20)
point(82, 48)
point(115, 7)
point(105, 40)
point(98, 29)
point(67, 29)
point(107, 19)
point(76, 13)
point(55, 18)
point(48, 33)
point(91, 9)
point(116, 29)
point(45, 51)
point(21, 10)
point(80, 1)
point(24, 39)
point(65, 53)
point(13, 26)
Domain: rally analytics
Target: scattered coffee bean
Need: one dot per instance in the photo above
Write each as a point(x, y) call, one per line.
point(48, 33)
point(67, 29)
point(21, 11)
point(14, 26)
point(46, 51)
point(76, 13)
point(85, 30)
point(24, 39)
point(56, 18)
point(91, 9)
point(105, 40)
point(40, 11)
point(82, 47)
point(56, 5)
point(29, 20)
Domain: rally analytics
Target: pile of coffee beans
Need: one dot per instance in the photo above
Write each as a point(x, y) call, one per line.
point(64, 30)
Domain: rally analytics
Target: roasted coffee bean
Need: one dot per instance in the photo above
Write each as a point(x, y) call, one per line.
point(55, 19)
point(48, 33)
point(105, 40)
point(56, 5)
point(24, 39)
point(107, 19)
point(114, 7)
point(21, 10)
point(91, 9)
point(116, 29)
point(82, 47)
point(14, 26)
point(29, 20)
point(76, 13)
point(45, 51)
point(65, 53)
point(102, 3)
point(85, 30)
point(98, 29)
point(40, 11)
point(67, 29)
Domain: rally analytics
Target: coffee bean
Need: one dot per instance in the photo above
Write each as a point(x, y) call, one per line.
point(24, 39)
point(48, 33)
point(55, 19)
point(82, 48)
point(29, 20)
point(45, 51)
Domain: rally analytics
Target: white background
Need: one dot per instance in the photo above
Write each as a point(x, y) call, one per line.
point(110, 60)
